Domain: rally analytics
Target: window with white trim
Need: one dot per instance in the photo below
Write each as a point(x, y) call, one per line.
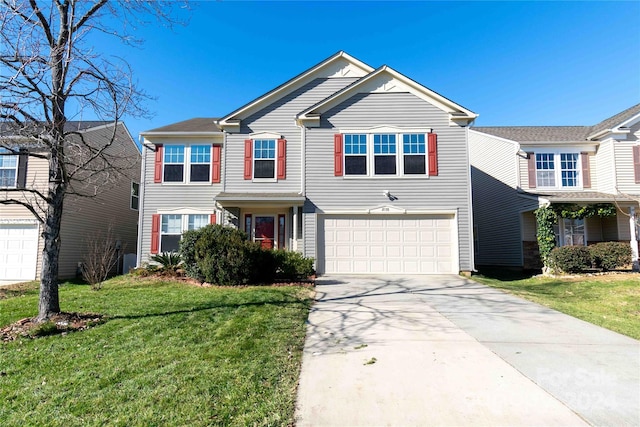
point(557, 170)
point(186, 163)
point(355, 154)
point(8, 169)
point(264, 158)
point(135, 195)
point(173, 225)
point(382, 154)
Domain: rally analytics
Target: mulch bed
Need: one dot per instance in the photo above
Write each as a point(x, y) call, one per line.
point(64, 322)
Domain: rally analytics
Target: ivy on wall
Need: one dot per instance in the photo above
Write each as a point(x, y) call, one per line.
point(547, 217)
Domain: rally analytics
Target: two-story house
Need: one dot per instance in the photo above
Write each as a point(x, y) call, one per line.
point(94, 203)
point(363, 169)
point(516, 169)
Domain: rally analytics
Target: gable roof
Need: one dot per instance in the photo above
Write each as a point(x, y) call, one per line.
point(11, 129)
point(198, 125)
point(526, 134)
point(290, 85)
point(616, 121)
point(456, 111)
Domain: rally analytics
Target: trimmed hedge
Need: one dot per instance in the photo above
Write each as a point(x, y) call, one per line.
point(605, 256)
point(223, 255)
point(610, 255)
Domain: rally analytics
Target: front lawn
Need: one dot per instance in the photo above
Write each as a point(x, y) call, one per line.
point(168, 354)
point(611, 301)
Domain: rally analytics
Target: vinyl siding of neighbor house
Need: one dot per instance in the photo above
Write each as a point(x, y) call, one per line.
point(277, 117)
point(158, 197)
point(37, 178)
point(496, 204)
point(84, 218)
point(447, 191)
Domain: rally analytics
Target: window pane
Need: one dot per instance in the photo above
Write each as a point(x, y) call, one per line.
point(413, 143)
point(545, 173)
point(569, 171)
point(264, 149)
point(171, 224)
point(385, 165)
point(174, 154)
point(264, 169)
point(200, 173)
point(355, 165)
point(546, 178)
point(135, 189)
point(384, 144)
point(8, 161)
point(170, 243)
point(355, 144)
point(197, 221)
point(200, 153)
point(173, 173)
point(7, 177)
point(414, 165)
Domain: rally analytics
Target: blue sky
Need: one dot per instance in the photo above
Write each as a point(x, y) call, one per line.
point(514, 63)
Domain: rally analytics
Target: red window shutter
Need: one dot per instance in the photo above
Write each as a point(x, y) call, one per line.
point(157, 171)
point(433, 154)
point(248, 158)
point(155, 233)
point(212, 218)
point(337, 154)
point(282, 158)
point(586, 170)
point(216, 161)
point(636, 163)
point(531, 165)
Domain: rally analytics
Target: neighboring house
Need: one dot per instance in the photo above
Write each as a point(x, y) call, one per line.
point(363, 169)
point(83, 219)
point(517, 169)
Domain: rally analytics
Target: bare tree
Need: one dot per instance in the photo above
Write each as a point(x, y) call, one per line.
point(101, 257)
point(51, 74)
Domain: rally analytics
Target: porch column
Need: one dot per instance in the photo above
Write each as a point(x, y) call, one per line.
point(633, 239)
point(295, 228)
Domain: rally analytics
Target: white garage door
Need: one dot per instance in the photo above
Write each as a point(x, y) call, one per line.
point(18, 251)
point(411, 244)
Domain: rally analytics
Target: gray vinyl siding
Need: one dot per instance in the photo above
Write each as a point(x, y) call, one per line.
point(497, 206)
point(84, 218)
point(278, 117)
point(447, 191)
point(162, 197)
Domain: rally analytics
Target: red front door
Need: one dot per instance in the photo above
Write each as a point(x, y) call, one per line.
point(265, 231)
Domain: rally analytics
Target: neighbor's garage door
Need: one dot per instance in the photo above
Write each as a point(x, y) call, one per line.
point(411, 244)
point(18, 251)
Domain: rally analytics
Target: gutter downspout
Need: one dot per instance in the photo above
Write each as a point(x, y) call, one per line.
point(143, 173)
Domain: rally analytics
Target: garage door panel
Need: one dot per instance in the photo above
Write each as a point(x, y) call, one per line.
point(18, 251)
point(408, 244)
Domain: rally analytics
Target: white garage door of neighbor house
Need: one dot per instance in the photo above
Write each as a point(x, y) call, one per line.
point(410, 244)
point(18, 251)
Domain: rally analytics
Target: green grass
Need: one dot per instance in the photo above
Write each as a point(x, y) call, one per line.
point(610, 301)
point(169, 354)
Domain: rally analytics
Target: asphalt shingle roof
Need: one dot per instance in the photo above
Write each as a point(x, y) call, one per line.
point(198, 124)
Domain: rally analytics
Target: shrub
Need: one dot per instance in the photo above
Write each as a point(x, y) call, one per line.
point(293, 266)
point(188, 253)
point(221, 255)
point(170, 262)
point(261, 264)
point(610, 255)
point(570, 259)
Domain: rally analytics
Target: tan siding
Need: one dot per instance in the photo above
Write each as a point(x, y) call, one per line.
point(605, 173)
point(623, 152)
point(529, 227)
point(594, 229)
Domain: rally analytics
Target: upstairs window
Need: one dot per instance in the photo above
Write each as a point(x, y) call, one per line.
point(264, 158)
point(135, 195)
point(414, 149)
point(384, 154)
point(559, 170)
point(187, 163)
point(8, 169)
point(355, 154)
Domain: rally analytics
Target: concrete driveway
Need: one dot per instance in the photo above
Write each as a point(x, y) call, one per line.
point(446, 351)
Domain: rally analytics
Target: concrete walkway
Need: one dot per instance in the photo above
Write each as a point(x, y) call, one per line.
point(445, 351)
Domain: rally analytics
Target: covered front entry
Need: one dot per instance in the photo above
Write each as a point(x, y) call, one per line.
point(410, 244)
point(18, 251)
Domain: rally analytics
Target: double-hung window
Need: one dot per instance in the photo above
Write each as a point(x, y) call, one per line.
point(384, 154)
point(387, 154)
point(187, 163)
point(264, 158)
point(8, 169)
point(173, 225)
point(414, 150)
point(135, 195)
point(355, 154)
point(557, 170)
